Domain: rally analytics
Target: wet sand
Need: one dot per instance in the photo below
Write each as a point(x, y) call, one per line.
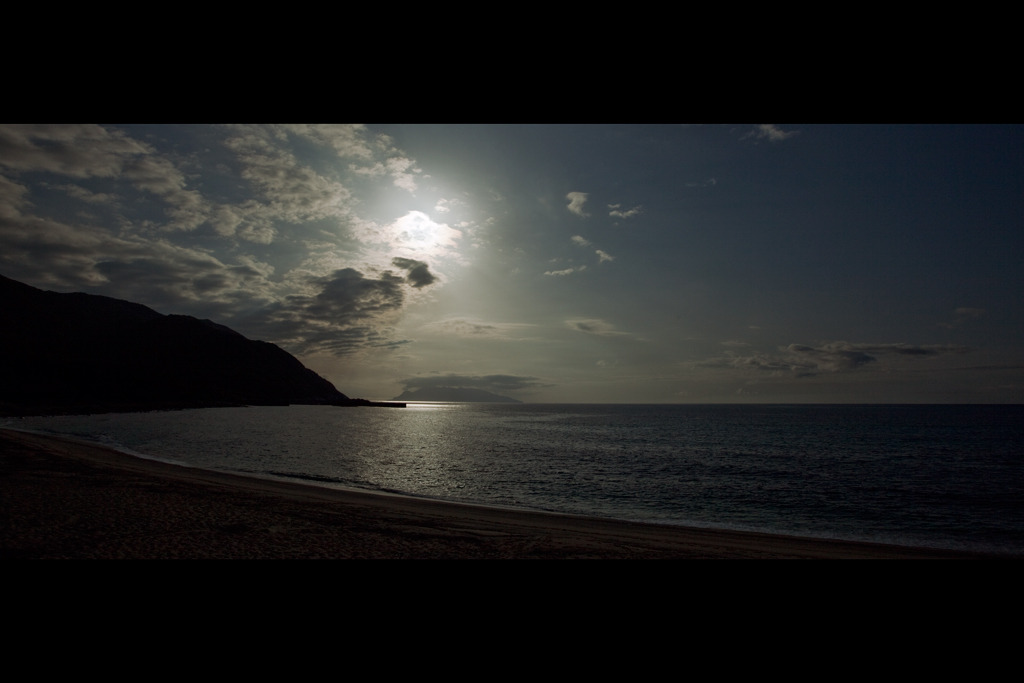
point(63, 499)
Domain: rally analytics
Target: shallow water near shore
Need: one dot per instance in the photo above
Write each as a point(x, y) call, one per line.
point(940, 476)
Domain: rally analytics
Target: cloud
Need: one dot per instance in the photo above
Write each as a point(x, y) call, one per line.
point(347, 295)
point(594, 326)
point(770, 132)
point(252, 225)
point(445, 205)
point(86, 152)
point(963, 315)
point(367, 155)
point(196, 181)
point(802, 360)
point(576, 202)
point(172, 277)
point(602, 256)
point(566, 271)
point(460, 327)
point(617, 212)
point(467, 328)
point(417, 232)
point(349, 141)
point(342, 313)
point(75, 150)
point(419, 275)
point(830, 357)
point(283, 187)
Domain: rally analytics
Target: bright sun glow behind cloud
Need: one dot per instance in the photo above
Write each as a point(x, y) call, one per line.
point(424, 237)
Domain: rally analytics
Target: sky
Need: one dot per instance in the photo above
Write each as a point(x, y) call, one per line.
point(555, 263)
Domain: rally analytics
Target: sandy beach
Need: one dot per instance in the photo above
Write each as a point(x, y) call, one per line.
point(62, 499)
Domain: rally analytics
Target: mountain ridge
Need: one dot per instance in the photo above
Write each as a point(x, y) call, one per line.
point(79, 352)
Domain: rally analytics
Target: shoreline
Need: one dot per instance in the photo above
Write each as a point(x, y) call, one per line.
point(61, 498)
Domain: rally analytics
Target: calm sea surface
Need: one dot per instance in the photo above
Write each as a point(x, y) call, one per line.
point(943, 476)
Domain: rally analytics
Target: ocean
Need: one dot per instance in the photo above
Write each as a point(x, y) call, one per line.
point(945, 476)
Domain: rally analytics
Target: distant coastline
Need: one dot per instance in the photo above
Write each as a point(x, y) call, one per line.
point(355, 402)
point(453, 395)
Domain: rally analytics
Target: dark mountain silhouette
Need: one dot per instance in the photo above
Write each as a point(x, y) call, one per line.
point(81, 353)
point(456, 394)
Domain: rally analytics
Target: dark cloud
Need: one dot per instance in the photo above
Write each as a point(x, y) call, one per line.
point(769, 132)
point(419, 274)
point(347, 295)
point(906, 349)
point(802, 360)
point(595, 326)
point(348, 312)
point(832, 357)
point(466, 327)
point(76, 150)
point(152, 271)
point(583, 326)
point(963, 316)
